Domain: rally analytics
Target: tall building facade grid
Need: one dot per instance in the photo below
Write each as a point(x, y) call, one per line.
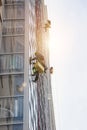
point(24, 105)
point(45, 104)
point(18, 106)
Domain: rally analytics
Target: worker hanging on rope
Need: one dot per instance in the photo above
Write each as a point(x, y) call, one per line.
point(35, 74)
point(47, 25)
point(51, 70)
point(39, 66)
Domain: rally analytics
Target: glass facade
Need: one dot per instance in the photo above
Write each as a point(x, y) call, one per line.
point(22, 108)
point(16, 44)
point(18, 106)
point(12, 65)
point(45, 106)
point(31, 107)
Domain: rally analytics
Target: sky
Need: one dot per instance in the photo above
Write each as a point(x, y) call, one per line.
point(68, 56)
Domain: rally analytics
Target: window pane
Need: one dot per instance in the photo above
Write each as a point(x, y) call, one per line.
point(12, 44)
point(11, 110)
point(12, 63)
point(11, 99)
point(10, 85)
point(12, 127)
point(13, 27)
point(15, 12)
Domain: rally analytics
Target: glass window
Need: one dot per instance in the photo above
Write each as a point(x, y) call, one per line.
point(12, 63)
point(11, 99)
point(14, 12)
point(13, 27)
point(12, 127)
point(12, 44)
point(10, 85)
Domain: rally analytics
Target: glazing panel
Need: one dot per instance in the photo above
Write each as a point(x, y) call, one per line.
point(11, 85)
point(11, 63)
point(12, 44)
point(12, 127)
point(11, 101)
point(13, 1)
point(13, 27)
point(14, 11)
point(11, 110)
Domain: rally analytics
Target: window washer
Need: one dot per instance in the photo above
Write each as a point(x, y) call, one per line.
point(36, 74)
point(39, 66)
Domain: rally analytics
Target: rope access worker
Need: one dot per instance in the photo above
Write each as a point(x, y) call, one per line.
point(36, 74)
point(39, 66)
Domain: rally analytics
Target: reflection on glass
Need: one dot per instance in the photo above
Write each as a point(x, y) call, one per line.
point(11, 12)
point(12, 63)
point(12, 127)
point(10, 84)
point(11, 101)
point(12, 44)
point(11, 109)
point(13, 27)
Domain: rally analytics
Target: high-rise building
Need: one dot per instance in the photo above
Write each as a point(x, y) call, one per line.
point(18, 95)
point(46, 119)
point(24, 104)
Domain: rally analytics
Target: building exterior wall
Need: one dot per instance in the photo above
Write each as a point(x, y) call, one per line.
point(30, 105)
point(18, 95)
point(11, 65)
point(24, 105)
point(45, 104)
